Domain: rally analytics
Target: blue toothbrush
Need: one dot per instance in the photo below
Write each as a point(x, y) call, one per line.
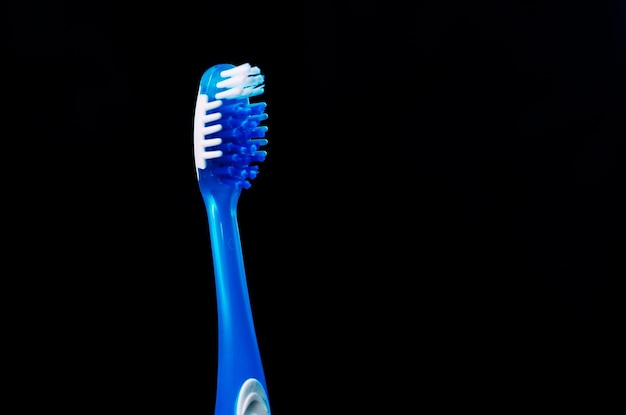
point(228, 136)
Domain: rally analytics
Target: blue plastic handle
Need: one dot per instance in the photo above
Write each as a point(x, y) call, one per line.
point(239, 358)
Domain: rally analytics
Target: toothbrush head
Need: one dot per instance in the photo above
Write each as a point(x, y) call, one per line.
point(228, 134)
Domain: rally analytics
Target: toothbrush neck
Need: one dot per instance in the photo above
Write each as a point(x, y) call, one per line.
point(230, 276)
point(236, 335)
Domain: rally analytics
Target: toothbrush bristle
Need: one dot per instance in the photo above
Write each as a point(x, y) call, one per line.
point(228, 135)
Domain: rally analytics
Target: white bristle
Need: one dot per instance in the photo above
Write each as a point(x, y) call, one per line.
point(232, 82)
point(209, 129)
point(214, 116)
point(201, 130)
point(242, 81)
point(209, 105)
point(207, 155)
point(229, 93)
point(243, 68)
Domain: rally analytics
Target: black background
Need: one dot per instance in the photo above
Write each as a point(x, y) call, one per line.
point(440, 219)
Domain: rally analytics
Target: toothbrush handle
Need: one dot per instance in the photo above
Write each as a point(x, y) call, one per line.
point(240, 374)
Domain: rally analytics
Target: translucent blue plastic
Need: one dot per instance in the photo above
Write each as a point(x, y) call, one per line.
point(221, 183)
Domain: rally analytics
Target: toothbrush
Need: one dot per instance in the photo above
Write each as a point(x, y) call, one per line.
point(227, 138)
